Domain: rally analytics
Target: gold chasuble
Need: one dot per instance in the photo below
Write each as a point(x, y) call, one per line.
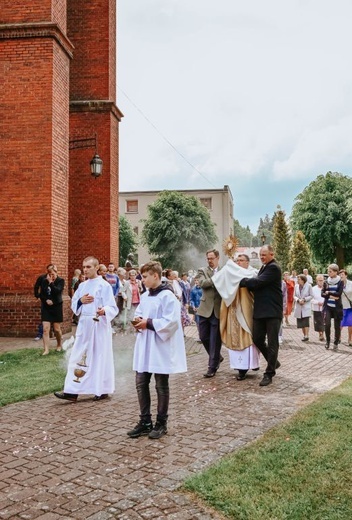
point(236, 311)
point(237, 320)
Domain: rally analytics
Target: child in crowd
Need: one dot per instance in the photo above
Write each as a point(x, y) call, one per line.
point(39, 333)
point(74, 280)
point(194, 302)
point(159, 349)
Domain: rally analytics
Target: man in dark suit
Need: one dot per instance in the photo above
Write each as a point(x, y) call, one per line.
point(209, 312)
point(267, 310)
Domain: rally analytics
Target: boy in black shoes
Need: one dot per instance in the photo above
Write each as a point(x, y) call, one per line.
point(159, 349)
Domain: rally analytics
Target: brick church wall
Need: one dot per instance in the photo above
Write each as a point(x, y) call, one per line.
point(34, 192)
point(93, 110)
point(34, 11)
point(52, 210)
point(96, 234)
point(93, 69)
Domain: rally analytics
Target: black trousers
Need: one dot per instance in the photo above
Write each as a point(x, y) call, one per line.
point(318, 321)
point(267, 328)
point(209, 334)
point(162, 392)
point(335, 314)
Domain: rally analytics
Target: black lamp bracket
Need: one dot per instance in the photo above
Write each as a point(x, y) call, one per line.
point(84, 142)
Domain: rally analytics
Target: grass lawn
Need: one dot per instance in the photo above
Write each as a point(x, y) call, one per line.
point(25, 374)
point(300, 470)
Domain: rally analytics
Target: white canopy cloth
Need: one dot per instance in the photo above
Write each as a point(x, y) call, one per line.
point(236, 314)
point(227, 282)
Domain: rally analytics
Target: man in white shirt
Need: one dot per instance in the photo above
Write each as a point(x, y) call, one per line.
point(308, 276)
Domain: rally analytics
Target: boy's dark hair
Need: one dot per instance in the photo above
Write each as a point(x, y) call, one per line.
point(152, 267)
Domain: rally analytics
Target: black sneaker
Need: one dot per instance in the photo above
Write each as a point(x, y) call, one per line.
point(158, 431)
point(221, 359)
point(67, 397)
point(142, 428)
point(100, 397)
point(210, 373)
point(241, 375)
point(267, 380)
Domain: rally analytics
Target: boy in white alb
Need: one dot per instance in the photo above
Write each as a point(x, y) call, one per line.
point(159, 349)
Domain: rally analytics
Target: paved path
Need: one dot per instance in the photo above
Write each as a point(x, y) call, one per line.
point(62, 460)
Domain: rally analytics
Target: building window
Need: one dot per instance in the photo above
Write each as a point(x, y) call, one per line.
point(206, 202)
point(131, 206)
point(135, 230)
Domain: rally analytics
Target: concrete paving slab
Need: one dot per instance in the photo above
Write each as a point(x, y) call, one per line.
point(61, 460)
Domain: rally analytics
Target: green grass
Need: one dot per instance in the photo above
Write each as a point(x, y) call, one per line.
point(25, 374)
point(300, 470)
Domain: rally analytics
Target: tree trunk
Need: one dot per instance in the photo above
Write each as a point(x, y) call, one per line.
point(340, 256)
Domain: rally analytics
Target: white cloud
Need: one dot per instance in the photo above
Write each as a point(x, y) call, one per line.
point(239, 88)
point(325, 149)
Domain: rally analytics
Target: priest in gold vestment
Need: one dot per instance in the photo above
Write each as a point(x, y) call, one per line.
point(236, 315)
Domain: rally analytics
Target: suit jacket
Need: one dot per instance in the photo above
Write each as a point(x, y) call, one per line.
point(268, 301)
point(211, 299)
point(38, 284)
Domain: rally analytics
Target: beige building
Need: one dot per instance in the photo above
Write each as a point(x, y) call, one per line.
point(134, 205)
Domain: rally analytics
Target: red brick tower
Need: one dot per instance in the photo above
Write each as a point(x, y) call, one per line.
point(43, 203)
point(93, 203)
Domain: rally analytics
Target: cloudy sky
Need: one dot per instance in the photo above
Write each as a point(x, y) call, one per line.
point(254, 94)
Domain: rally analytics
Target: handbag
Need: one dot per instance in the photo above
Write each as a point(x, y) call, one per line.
point(191, 310)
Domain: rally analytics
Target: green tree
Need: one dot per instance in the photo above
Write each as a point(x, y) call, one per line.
point(281, 239)
point(244, 234)
point(323, 212)
point(128, 241)
point(265, 229)
point(300, 254)
point(177, 230)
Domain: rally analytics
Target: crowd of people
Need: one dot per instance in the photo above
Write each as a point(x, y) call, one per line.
point(234, 306)
point(329, 299)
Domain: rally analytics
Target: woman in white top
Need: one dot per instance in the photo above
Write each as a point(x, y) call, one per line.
point(317, 306)
point(303, 296)
point(346, 299)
